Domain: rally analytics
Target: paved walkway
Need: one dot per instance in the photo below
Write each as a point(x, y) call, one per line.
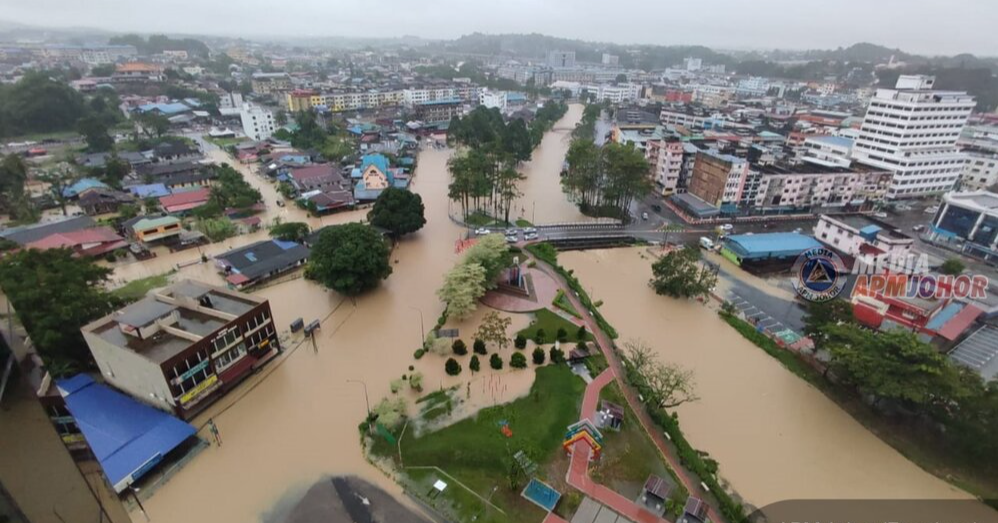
point(543, 292)
point(616, 368)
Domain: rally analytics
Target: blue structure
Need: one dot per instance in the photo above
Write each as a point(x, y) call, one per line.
point(777, 250)
point(153, 190)
point(127, 437)
point(541, 494)
point(165, 109)
point(83, 184)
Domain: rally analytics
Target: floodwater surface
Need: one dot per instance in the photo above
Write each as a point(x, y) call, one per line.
point(775, 436)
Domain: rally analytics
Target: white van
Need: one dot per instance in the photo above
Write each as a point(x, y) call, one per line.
point(706, 243)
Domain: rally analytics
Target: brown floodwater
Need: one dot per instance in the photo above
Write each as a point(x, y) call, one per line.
point(775, 436)
point(543, 201)
point(296, 421)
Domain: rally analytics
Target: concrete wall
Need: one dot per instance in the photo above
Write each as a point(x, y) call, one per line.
point(132, 373)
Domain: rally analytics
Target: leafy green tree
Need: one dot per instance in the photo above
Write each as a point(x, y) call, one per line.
point(494, 329)
point(561, 335)
point(474, 364)
point(231, 190)
point(495, 361)
point(557, 355)
point(491, 252)
point(398, 210)
point(463, 285)
point(452, 367)
point(349, 259)
point(58, 181)
point(679, 274)
point(821, 315)
point(55, 294)
point(581, 334)
point(520, 342)
point(94, 132)
point(518, 360)
point(290, 231)
point(37, 103)
point(103, 70)
point(153, 123)
point(216, 229)
point(538, 356)
point(605, 180)
point(336, 148)
point(479, 347)
point(459, 347)
point(128, 211)
point(540, 337)
point(953, 267)
point(310, 134)
point(151, 205)
point(115, 171)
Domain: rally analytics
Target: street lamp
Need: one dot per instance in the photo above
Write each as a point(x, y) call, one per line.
point(422, 330)
point(366, 400)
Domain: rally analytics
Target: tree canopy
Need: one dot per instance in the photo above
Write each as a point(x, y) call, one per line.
point(462, 287)
point(232, 190)
point(398, 210)
point(290, 231)
point(350, 259)
point(603, 181)
point(680, 275)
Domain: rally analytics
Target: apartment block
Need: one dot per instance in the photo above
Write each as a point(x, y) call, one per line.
point(665, 156)
point(258, 122)
point(718, 179)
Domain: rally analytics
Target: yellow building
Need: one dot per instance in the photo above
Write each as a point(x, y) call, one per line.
point(302, 100)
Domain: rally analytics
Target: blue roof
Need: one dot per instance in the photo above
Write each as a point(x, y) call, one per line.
point(378, 160)
point(126, 436)
point(285, 245)
point(945, 315)
point(154, 190)
point(82, 185)
point(776, 244)
point(870, 230)
point(172, 108)
point(515, 97)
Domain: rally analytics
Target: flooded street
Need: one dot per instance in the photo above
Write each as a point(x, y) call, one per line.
point(775, 436)
point(297, 420)
point(543, 201)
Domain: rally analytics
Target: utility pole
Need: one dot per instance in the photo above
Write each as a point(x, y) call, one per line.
point(422, 329)
point(367, 401)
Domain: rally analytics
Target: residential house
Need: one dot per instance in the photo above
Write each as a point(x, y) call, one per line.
point(175, 151)
point(103, 201)
point(32, 233)
point(96, 241)
point(174, 176)
point(149, 229)
point(374, 175)
point(260, 261)
point(183, 202)
point(99, 160)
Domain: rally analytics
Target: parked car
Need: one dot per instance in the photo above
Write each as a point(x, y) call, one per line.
point(644, 216)
point(918, 228)
point(880, 214)
point(512, 238)
point(727, 227)
point(932, 210)
point(530, 236)
point(529, 230)
point(482, 231)
point(706, 243)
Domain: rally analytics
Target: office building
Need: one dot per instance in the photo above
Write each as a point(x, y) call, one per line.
point(258, 122)
point(270, 83)
point(611, 59)
point(561, 59)
point(981, 170)
point(180, 348)
point(718, 179)
point(970, 217)
point(912, 130)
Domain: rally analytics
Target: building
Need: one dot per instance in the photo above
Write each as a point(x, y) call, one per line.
point(493, 99)
point(561, 59)
point(258, 122)
point(176, 176)
point(912, 131)
point(97, 241)
point(229, 104)
point(804, 186)
point(939, 320)
point(374, 175)
point(260, 261)
point(138, 72)
point(613, 93)
point(718, 179)
point(830, 151)
point(610, 59)
point(462, 93)
point(180, 348)
point(31, 233)
point(438, 111)
point(665, 157)
point(981, 170)
point(767, 252)
point(301, 100)
point(970, 218)
point(859, 236)
point(103, 201)
point(184, 202)
point(979, 352)
point(149, 229)
point(270, 83)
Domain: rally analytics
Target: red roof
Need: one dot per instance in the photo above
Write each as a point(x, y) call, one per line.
point(236, 279)
point(86, 242)
point(959, 323)
point(313, 171)
point(183, 201)
point(866, 248)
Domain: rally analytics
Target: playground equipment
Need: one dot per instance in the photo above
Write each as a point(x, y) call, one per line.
point(504, 428)
point(585, 431)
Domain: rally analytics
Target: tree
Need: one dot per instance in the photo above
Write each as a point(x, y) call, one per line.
point(115, 171)
point(821, 315)
point(479, 347)
point(103, 70)
point(452, 367)
point(281, 117)
point(216, 229)
point(679, 274)
point(463, 285)
point(290, 231)
point(581, 334)
point(474, 364)
point(538, 356)
point(398, 210)
point(459, 347)
point(540, 336)
point(38, 103)
point(603, 181)
point(562, 335)
point(231, 190)
point(349, 259)
point(496, 362)
point(58, 181)
point(493, 329)
point(151, 205)
point(520, 341)
point(557, 355)
point(336, 148)
point(153, 123)
point(55, 294)
point(128, 211)
point(953, 267)
point(517, 360)
point(492, 253)
point(94, 132)
point(669, 386)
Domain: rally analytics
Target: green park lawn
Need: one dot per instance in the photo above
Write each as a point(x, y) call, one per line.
point(551, 322)
point(136, 289)
point(476, 453)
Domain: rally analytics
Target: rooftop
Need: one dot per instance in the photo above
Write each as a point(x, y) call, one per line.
point(979, 352)
point(779, 244)
point(834, 141)
point(260, 258)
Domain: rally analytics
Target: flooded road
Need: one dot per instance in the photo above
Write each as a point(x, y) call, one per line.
point(775, 436)
point(543, 201)
point(296, 421)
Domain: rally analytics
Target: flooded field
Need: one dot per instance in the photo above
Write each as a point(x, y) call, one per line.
point(296, 421)
point(775, 436)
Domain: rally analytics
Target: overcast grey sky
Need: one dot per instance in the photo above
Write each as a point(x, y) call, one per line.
point(921, 26)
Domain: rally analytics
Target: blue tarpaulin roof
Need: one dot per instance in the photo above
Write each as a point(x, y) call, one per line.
point(154, 190)
point(126, 436)
point(81, 185)
point(777, 244)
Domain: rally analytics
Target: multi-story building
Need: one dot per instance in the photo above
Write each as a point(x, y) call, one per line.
point(690, 116)
point(270, 83)
point(463, 93)
point(981, 170)
point(859, 235)
point(912, 130)
point(300, 100)
point(665, 156)
point(180, 348)
point(610, 59)
point(971, 218)
point(613, 93)
point(438, 110)
point(493, 99)
point(229, 104)
point(718, 179)
point(258, 122)
point(811, 185)
point(561, 59)
point(831, 151)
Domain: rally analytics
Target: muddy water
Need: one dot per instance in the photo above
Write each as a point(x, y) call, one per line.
point(297, 421)
point(543, 201)
point(775, 436)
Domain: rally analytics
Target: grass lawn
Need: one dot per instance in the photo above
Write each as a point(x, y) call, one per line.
point(561, 301)
point(225, 142)
point(475, 452)
point(523, 223)
point(551, 322)
point(481, 219)
point(630, 456)
point(136, 289)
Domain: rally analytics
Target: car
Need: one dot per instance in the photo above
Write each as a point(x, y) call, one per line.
point(726, 227)
point(902, 207)
point(529, 230)
point(918, 228)
point(932, 210)
point(706, 243)
point(482, 231)
point(644, 216)
point(280, 203)
point(512, 232)
point(530, 236)
point(512, 239)
point(656, 208)
point(880, 214)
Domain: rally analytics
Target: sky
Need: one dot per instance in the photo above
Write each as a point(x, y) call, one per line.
point(919, 26)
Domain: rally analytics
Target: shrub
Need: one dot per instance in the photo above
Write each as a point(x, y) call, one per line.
point(459, 347)
point(419, 353)
point(412, 368)
point(538, 356)
point(582, 346)
point(396, 386)
point(540, 336)
point(562, 335)
point(479, 347)
point(496, 362)
point(473, 364)
point(518, 360)
point(557, 355)
point(581, 334)
point(416, 382)
point(452, 367)
point(520, 342)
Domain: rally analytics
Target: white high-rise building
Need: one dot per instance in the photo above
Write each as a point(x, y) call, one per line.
point(912, 130)
point(258, 122)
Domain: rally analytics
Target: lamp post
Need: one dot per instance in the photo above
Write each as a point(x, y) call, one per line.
point(367, 401)
point(422, 329)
